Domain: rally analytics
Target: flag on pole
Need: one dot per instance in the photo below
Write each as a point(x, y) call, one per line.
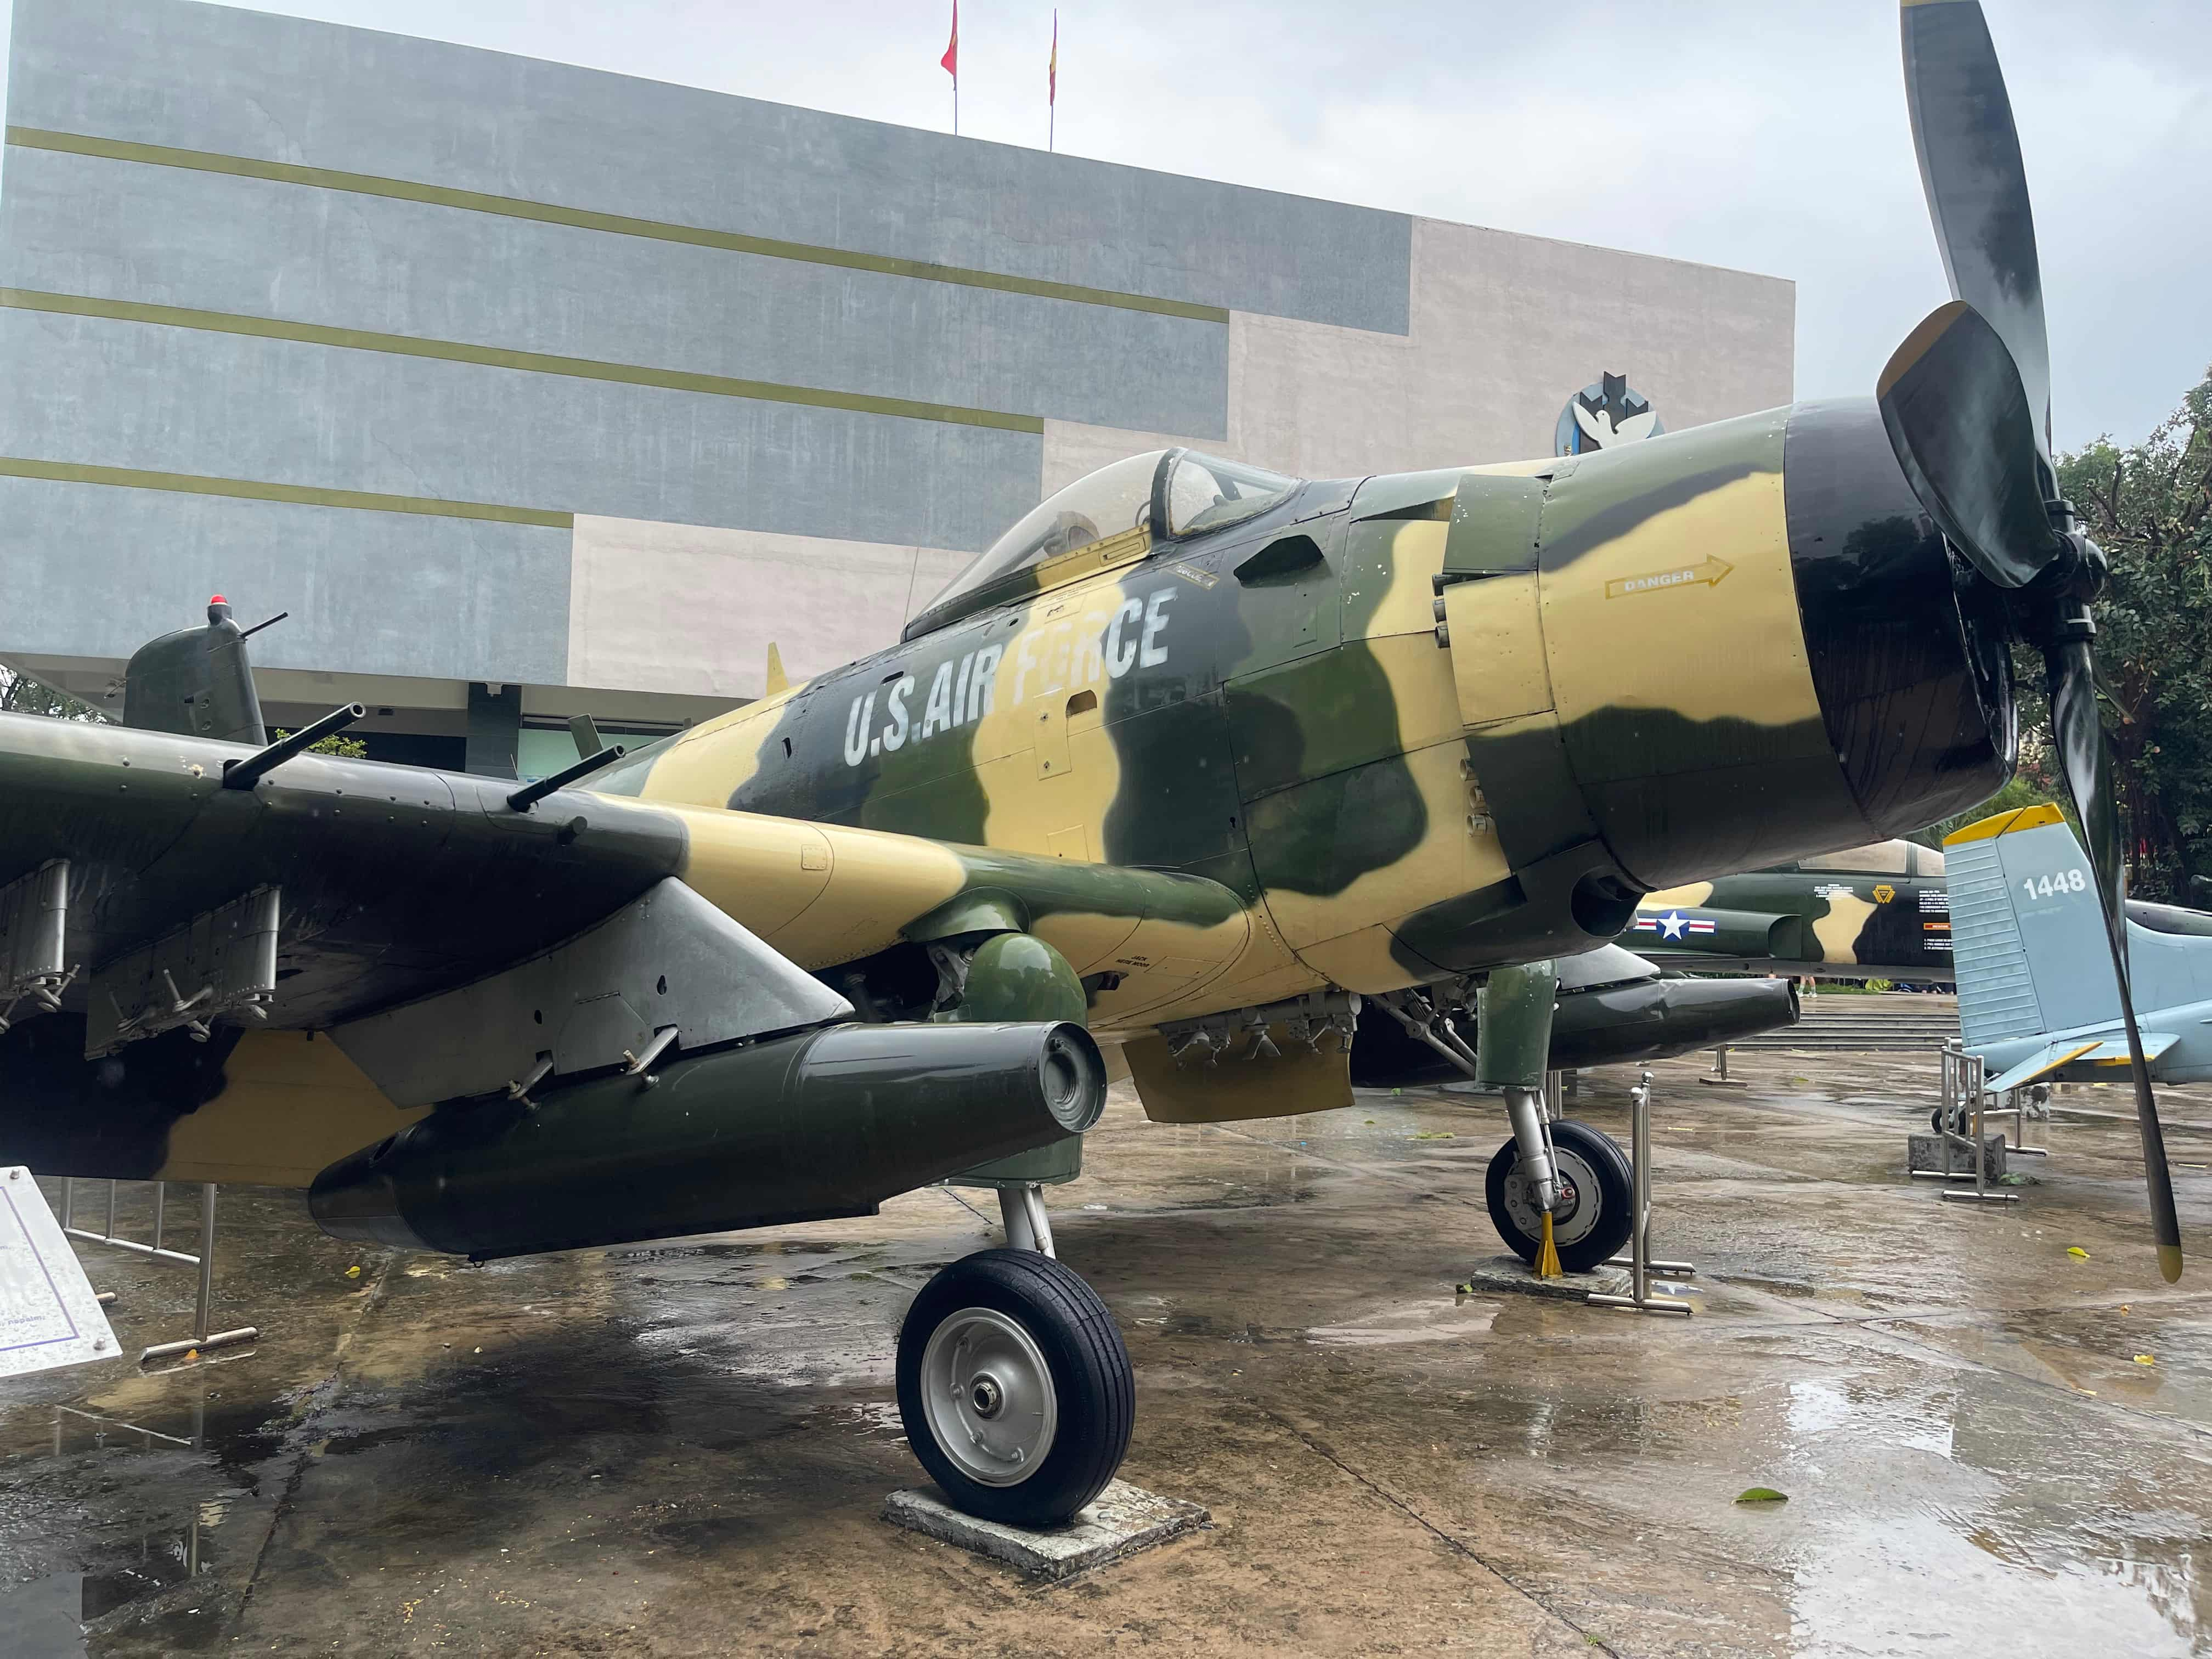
point(950, 61)
point(1052, 82)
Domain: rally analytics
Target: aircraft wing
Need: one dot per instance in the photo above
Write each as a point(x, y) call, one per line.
point(2082, 1051)
point(170, 943)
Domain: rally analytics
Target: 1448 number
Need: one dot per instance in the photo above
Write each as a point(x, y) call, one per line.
point(2059, 884)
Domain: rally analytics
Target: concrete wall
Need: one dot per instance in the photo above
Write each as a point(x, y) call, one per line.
point(496, 370)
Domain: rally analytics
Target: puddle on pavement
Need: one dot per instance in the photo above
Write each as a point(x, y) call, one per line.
point(1452, 1321)
point(136, 1507)
point(2146, 1357)
point(1928, 1514)
point(877, 1416)
point(1935, 1509)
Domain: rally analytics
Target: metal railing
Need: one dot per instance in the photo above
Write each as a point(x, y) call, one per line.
point(1966, 1098)
point(203, 1339)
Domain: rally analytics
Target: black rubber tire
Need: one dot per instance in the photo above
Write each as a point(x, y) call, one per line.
point(1616, 1197)
point(1090, 1366)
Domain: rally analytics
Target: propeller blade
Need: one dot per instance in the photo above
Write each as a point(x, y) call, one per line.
point(2081, 739)
point(1957, 417)
point(1977, 189)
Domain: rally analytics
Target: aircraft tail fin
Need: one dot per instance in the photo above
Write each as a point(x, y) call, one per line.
point(195, 682)
point(777, 679)
point(2027, 936)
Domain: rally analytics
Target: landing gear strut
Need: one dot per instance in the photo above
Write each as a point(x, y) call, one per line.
point(1579, 1178)
point(1022, 1208)
point(1594, 1211)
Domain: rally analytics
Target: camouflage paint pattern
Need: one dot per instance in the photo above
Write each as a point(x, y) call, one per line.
point(1879, 912)
point(1623, 695)
point(1386, 731)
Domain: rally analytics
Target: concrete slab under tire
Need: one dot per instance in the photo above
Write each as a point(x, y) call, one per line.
point(1511, 1274)
point(1121, 1521)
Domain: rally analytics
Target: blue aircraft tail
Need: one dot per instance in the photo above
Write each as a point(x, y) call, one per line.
point(2027, 945)
point(2027, 937)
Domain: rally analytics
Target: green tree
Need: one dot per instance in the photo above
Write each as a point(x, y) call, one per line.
point(2028, 787)
point(337, 744)
point(2150, 507)
point(21, 694)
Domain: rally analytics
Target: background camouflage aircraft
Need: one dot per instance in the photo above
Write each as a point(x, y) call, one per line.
point(1192, 757)
point(1878, 912)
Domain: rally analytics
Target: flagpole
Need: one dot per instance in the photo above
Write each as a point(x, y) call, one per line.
point(950, 64)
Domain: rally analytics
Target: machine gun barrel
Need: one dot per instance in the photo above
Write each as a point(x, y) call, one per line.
point(530, 793)
point(245, 773)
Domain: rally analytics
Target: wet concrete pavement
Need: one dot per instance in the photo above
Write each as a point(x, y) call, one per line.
point(683, 1449)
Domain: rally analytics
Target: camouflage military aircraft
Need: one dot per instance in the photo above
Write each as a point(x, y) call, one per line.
point(1190, 759)
point(1879, 912)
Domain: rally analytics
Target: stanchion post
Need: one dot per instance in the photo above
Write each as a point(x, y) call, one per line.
point(1640, 1169)
point(203, 1338)
point(1719, 1077)
point(202, 1315)
point(1972, 1073)
point(1640, 1265)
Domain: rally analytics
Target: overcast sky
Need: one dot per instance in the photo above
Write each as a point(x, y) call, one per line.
point(1769, 137)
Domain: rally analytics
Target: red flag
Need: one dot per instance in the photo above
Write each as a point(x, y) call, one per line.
point(951, 59)
point(1052, 67)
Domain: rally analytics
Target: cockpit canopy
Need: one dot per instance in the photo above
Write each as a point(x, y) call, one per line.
point(1110, 517)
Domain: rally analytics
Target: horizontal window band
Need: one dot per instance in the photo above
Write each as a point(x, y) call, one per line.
point(515, 207)
point(250, 490)
point(528, 362)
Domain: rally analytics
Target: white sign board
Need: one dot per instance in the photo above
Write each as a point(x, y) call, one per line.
point(49, 1316)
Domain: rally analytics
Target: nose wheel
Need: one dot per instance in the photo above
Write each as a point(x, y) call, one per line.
point(1594, 1213)
point(1015, 1387)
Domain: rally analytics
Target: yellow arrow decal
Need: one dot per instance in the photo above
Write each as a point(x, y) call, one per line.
point(1708, 571)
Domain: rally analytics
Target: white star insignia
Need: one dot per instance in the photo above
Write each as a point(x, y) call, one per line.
point(1671, 925)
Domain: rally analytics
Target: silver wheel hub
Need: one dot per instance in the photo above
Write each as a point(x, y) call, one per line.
point(988, 1396)
point(1581, 1204)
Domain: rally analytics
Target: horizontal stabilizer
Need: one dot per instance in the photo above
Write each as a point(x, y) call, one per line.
point(2090, 1051)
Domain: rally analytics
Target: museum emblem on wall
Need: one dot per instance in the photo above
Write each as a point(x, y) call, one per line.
point(1604, 414)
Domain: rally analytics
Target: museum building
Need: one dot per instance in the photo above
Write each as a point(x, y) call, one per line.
point(530, 391)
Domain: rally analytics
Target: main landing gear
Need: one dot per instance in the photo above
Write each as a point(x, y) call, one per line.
point(1013, 1380)
point(1593, 1213)
point(1567, 1170)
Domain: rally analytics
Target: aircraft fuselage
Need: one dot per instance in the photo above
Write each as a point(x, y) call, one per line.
point(1425, 723)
